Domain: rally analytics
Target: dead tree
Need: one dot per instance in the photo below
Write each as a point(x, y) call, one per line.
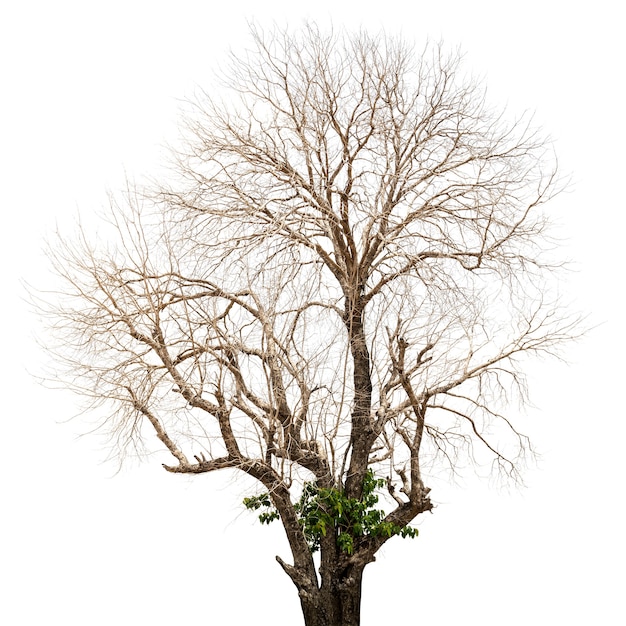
point(338, 288)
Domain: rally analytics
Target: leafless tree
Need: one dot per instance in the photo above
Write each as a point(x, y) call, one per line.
point(343, 280)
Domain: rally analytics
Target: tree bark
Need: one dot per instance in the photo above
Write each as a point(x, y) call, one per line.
point(362, 434)
point(337, 602)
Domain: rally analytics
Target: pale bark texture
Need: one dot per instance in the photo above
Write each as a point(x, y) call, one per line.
point(344, 273)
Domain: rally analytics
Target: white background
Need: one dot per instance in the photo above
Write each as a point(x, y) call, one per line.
point(90, 91)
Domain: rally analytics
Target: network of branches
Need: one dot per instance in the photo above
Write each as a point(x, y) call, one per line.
point(344, 274)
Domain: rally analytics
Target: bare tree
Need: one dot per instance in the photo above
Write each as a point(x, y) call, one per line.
point(335, 294)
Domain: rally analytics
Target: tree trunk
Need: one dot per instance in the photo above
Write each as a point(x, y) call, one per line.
point(337, 602)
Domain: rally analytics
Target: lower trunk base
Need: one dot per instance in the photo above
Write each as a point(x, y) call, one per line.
point(337, 604)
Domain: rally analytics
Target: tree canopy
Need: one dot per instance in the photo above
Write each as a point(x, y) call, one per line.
point(336, 292)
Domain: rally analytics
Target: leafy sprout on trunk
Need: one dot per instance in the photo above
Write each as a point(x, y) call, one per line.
point(327, 510)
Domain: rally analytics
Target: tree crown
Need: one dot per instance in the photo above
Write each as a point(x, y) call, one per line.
point(343, 281)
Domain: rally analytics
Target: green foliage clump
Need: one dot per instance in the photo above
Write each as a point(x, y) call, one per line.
point(254, 503)
point(322, 510)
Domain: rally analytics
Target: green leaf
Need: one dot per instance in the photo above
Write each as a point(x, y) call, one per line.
point(320, 509)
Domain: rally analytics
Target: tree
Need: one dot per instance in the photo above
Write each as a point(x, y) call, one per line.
point(335, 292)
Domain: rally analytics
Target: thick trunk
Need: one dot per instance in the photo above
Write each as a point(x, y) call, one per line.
point(362, 434)
point(337, 602)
